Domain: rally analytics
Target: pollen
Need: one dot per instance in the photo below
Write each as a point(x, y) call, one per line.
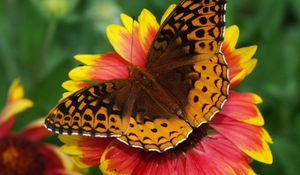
point(194, 138)
point(9, 156)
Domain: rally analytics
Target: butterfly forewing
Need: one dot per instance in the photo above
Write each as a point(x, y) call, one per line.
point(186, 58)
point(98, 110)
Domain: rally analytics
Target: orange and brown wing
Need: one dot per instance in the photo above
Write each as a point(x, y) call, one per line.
point(118, 109)
point(186, 58)
point(152, 127)
point(194, 27)
point(98, 111)
point(200, 89)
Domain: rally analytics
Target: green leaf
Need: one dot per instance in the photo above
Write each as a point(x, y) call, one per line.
point(286, 152)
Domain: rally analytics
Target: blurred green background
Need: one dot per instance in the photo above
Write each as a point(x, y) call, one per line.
point(39, 37)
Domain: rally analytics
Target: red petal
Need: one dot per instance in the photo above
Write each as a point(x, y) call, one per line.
point(147, 29)
point(248, 138)
point(216, 155)
point(100, 67)
point(92, 149)
point(125, 41)
point(57, 172)
point(213, 155)
point(241, 106)
point(6, 126)
point(120, 158)
point(238, 132)
point(219, 147)
point(157, 163)
point(35, 133)
point(52, 161)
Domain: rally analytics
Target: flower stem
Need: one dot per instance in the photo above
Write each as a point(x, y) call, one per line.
point(9, 40)
point(43, 53)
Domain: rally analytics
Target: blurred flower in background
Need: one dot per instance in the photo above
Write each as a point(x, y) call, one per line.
point(15, 103)
point(102, 13)
point(55, 9)
point(226, 145)
point(23, 153)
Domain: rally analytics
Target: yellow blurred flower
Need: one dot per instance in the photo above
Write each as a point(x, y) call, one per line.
point(102, 13)
point(55, 9)
point(15, 102)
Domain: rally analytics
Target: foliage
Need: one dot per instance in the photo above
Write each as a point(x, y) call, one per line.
point(37, 45)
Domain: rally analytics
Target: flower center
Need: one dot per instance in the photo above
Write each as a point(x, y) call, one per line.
point(19, 156)
point(193, 139)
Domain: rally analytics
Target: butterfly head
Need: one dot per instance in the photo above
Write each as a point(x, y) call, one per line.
point(139, 75)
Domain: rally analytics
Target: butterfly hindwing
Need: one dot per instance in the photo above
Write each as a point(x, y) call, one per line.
point(187, 60)
point(151, 127)
point(94, 111)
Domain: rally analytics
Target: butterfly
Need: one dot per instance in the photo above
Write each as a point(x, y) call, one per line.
point(183, 85)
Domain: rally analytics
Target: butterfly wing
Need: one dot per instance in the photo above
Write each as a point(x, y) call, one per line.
point(153, 128)
point(185, 52)
point(193, 27)
point(101, 110)
point(186, 58)
point(118, 109)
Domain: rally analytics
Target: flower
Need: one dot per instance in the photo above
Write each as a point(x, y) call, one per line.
point(225, 145)
point(22, 153)
point(101, 13)
point(55, 9)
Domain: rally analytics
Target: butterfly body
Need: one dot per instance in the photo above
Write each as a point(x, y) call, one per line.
point(182, 85)
point(141, 79)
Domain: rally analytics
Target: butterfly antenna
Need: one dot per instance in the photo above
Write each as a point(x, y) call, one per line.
point(132, 38)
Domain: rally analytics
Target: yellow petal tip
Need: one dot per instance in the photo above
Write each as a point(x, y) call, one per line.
point(262, 154)
point(16, 90)
point(167, 12)
point(80, 73)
